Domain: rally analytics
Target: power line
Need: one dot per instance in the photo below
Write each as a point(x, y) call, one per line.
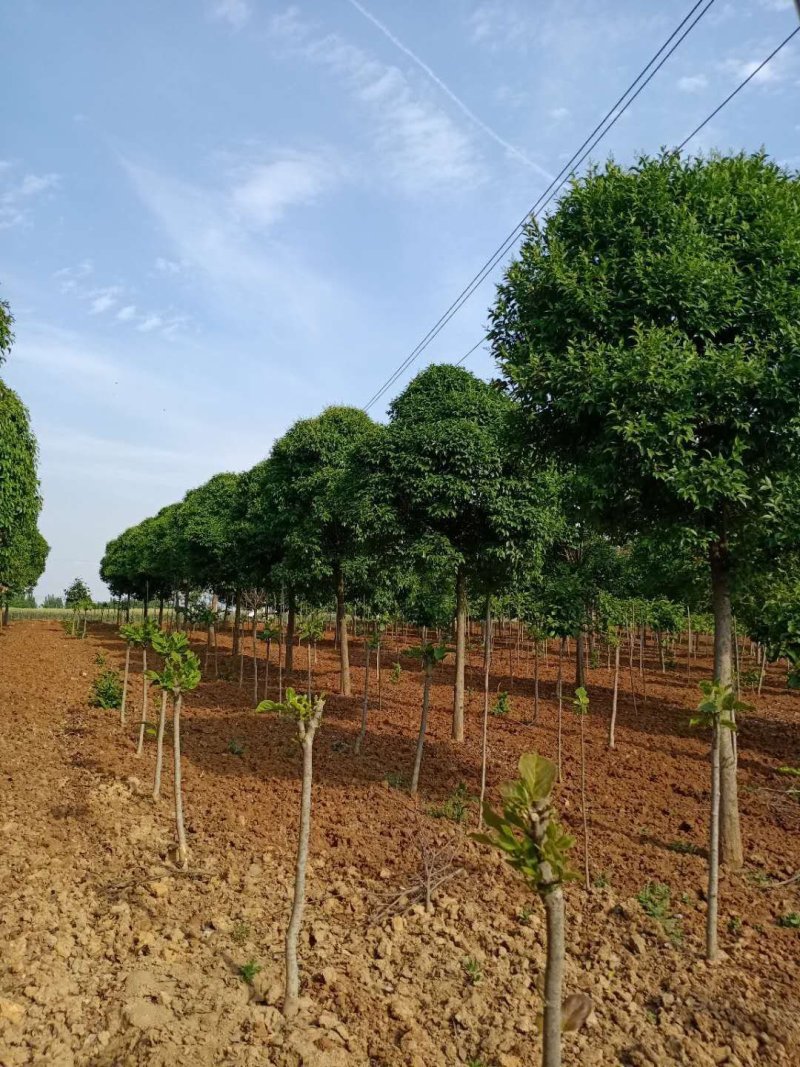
point(694, 132)
point(601, 129)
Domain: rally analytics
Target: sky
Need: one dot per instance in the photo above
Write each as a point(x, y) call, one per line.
point(220, 216)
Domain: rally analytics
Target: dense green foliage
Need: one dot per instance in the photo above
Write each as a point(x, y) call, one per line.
point(23, 550)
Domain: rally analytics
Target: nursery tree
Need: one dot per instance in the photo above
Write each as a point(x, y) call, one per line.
point(534, 844)
point(179, 674)
point(429, 655)
point(306, 486)
point(447, 469)
point(651, 332)
point(19, 488)
point(306, 712)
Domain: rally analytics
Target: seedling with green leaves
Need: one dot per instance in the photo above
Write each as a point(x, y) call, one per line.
point(456, 806)
point(501, 706)
point(107, 690)
point(179, 675)
point(791, 921)
point(655, 902)
point(129, 633)
point(236, 747)
point(270, 632)
point(306, 713)
point(429, 655)
point(535, 845)
point(716, 711)
point(472, 969)
point(249, 970)
point(397, 671)
point(143, 638)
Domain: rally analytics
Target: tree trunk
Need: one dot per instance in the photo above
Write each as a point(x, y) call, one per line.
point(298, 903)
point(584, 808)
point(560, 687)
point(461, 626)
point(423, 726)
point(143, 723)
point(160, 612)
point(290, 627)
point(487, 660)
point(183, 851)
point(363, 731)
point(730, 832)
point(536, 680)
point(308, 668)
point(613, 724)
point(580, 660)
point(553, 977)
point(237, 619)
point(341, 629)
point(122, 712)
point(162, 720)
point(255, 661)
point(266, 672)
point(713, 849)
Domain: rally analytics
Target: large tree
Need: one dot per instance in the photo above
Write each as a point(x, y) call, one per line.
point(448, 468)
point(307, 489)
point(21, 546)
point(651, 331)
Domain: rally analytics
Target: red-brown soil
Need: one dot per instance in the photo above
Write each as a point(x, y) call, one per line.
point(110, 956)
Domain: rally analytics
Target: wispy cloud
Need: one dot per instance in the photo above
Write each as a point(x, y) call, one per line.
point(419, 145)
point(18, 193)
point(693, 83)
point(490, 132)
point(235, 12)
point(77, 282)
point(222, 232)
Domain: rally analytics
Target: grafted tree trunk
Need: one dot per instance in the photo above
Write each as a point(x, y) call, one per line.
point(461, 644)
point(122, 712)
point(143, 723)
point(487, 661)
point(553, 977)
point(730, 831)
point(341, 630)
point(613, 724)
point(580, 659)
point(365, 706)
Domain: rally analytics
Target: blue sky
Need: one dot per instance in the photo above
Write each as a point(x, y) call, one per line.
point(219, 216)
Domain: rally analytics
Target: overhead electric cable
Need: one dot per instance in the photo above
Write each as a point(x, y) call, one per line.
point(606, 123)
point(694, 132)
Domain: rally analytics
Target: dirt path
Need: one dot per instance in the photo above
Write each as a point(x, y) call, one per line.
point(110, 957)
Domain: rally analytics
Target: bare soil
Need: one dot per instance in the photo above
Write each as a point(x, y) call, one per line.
point(110, 956)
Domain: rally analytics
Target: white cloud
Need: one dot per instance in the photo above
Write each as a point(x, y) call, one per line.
point(218, 231)
point(234, 12)
point(150, 323)
point(559, 113)
point(18, 194)
point(103, 299)
point(419, 144)
point(693, 83)
point(264, 191)
point(127, 313)
point(168, 266)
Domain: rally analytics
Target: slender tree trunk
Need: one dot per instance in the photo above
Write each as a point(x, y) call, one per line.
point(281, 652)
point(255, 662)
point(122, 710)
point(308, 668)
point(560, 688)
point(487, 660)
point(341, 629)
point(615, 696)
point(763, 668)
point(143, 723)
point(162, 721)
point(553, 977)
point(83, 631)
point(423, 726)
point(290, 628)
point(363, 731)
point(713, 850)
point(461, 626)
point(535, 681)
point(378, 677)
point(584, 807)
point(237, 619)
point(266, 672)
point(160, 612)
point(688, 643)
point(730, 831)
point(298, 903)
point(580, 660)
point(183, 851)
